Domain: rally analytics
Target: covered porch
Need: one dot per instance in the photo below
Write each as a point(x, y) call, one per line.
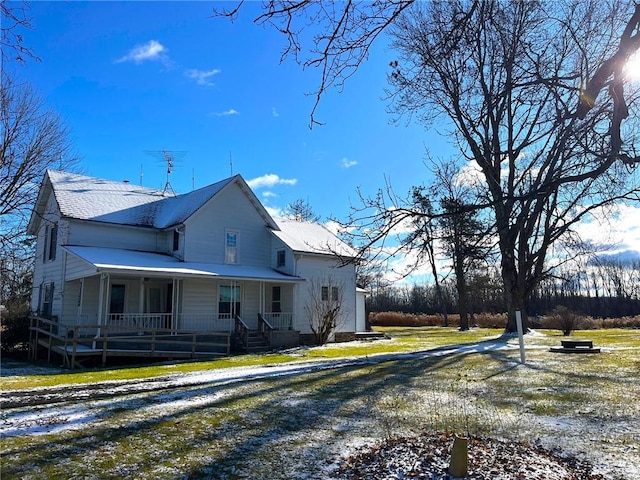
point(111, 289)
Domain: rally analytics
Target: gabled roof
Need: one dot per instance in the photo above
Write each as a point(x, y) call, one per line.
point(309, 237)
point(95, 199)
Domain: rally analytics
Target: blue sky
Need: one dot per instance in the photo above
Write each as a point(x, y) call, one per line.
point(132, 78)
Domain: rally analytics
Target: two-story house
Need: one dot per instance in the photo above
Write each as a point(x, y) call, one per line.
point(115, 254)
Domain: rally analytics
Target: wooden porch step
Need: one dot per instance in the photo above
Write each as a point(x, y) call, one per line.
point(256, 343)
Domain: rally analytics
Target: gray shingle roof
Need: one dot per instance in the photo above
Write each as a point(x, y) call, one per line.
point(88, 198)
point(309, 237)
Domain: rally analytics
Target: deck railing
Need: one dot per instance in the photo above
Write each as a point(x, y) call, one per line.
point(106, 341)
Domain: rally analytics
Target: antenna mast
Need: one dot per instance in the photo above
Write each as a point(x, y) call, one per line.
point(170, 158)
point(170, 161)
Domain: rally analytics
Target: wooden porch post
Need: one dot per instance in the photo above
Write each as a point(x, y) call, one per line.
point(174, 304)
point(101, 303)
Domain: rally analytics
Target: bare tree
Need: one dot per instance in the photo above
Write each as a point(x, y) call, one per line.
point(301, 211)
point(522, 84)
point(34, 138)
point(325, 307)
point(508, 76)
point(14, 18)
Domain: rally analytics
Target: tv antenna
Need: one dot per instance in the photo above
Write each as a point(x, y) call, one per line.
point(169, 158)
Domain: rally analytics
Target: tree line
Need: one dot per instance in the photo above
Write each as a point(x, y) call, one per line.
point(608, 289)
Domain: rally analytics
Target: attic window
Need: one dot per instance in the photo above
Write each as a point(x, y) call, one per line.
point(281, 261)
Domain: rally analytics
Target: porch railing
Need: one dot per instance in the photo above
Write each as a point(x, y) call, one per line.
point(206, 322)
point(279, 320)
point(241, 330)
point(203, 322)
point(140, 320)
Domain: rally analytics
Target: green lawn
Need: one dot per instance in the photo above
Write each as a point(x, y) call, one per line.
point(296, 426)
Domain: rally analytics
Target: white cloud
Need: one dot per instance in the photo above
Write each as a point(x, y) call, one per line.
point(227, 113)
point(275, 212)
point(152, 50)
point(202, 77)
point(269, 194)
point(615, 229)
point(270, 180)
point(274, 112)
point(346, 163)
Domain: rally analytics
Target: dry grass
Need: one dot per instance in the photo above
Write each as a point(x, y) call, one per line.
point(284, 427)
point(556, 320)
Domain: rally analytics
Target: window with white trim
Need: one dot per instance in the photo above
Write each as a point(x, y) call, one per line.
point(50, 242)
point(176, 240)
point(46, 299)
point(329, 293)
point(231, 244)
point(229, 301)
point(281, 258)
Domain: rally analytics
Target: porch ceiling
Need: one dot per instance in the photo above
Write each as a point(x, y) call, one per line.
point(114, 260)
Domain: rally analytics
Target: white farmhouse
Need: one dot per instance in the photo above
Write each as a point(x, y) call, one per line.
point(116, 257)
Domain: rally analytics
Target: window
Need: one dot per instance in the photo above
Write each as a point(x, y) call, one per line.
point(50, 242)
point(231, 238)
point(116, 304)
point(229, 301)
point(281, 258)
point(176, 240)
point(276, 306)
point(334, 294)
point(324, 293)
point(46, 302)
point(328, 293)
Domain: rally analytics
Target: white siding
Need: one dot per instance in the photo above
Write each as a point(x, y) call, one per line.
point(98, 234)
point(322, 269)
point(45, 270)
point(289, 263)
point(90, 298)
point(230, 209)
point(76, 268)
point(199, 296)
point(70, 301)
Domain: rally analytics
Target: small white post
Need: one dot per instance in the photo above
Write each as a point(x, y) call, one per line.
point(520, 336)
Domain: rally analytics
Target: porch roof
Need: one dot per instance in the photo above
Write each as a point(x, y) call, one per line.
point(120, 261)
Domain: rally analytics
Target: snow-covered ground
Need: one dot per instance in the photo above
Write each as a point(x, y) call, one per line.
point(319, 429)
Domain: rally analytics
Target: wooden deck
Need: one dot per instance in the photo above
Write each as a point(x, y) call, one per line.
point(76, 344)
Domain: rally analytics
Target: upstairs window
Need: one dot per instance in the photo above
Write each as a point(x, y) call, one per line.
point(281, 261)
point(176, 240)
point(50, 243)
point(231, 240)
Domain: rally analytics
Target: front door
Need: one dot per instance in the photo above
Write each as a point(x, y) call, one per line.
point(158, 299)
